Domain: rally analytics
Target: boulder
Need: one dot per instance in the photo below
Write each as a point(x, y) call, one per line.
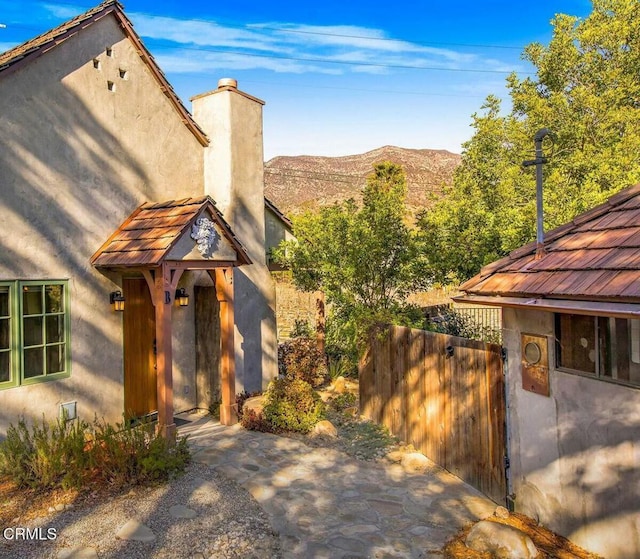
point(501, 541)
point(324, 428)
point(415, 462)
point(339, 385)
point(256, 403)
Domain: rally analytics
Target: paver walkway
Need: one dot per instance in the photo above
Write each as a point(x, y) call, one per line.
point(325, 504)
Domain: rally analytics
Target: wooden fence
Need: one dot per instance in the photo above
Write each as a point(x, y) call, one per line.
point(444, 395)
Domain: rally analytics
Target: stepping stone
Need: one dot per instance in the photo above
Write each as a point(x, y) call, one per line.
point(78, 552)
point(135, 531)
point(179, 511)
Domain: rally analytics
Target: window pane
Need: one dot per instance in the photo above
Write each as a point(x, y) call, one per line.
point(5, 366)
point(53, 299)
point(33, 362)
point(5, 333)
point(55, 328)
point(576, 342)
point(4, 301)
point(55, 359)
point(32, 299)
point(32, 330)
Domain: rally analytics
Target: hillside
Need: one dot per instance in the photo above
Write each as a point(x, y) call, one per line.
point(296, 183)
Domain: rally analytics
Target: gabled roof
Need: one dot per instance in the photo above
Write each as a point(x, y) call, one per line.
point(147, 236)
point(271, 206)
point(23, 54)
point(596, 257)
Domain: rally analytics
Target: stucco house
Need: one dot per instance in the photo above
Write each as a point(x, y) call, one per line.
point(571, 327)
point(110, 189)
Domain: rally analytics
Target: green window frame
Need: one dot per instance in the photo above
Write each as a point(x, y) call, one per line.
point(34, 332)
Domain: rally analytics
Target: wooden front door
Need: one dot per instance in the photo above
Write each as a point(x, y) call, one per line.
point(140, 389)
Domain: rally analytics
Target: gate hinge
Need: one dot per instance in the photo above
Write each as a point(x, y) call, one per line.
point(503, 353)
point(507, 463)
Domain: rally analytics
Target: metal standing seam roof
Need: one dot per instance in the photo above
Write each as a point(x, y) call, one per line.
point(14, 58)
point(595, 257)
point(148, 234)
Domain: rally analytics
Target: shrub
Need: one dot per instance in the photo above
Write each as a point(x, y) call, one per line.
point(343, 401)
point(301, 359)
point(292, 405)
point(72, 454)
point(255, 422)
point(47, 455)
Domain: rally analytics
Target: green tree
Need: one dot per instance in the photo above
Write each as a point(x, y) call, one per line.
point(587, 91)
point(365, 259)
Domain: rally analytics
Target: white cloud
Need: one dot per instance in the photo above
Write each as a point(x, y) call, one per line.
point(294, 48)
point(66, 11)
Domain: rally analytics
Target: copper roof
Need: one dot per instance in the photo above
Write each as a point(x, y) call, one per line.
point(32, 49)
point(149, 233)
point(595, 257)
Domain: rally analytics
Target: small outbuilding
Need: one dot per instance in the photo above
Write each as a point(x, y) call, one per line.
point(571, 329)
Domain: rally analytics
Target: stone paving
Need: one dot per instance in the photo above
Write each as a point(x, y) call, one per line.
point(325, 504)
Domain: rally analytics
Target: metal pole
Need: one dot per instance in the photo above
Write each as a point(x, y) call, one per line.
point(538, 162)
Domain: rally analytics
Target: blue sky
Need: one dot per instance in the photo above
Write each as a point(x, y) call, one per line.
point(338, 77)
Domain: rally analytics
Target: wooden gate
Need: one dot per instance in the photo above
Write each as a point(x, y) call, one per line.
point(444, 395)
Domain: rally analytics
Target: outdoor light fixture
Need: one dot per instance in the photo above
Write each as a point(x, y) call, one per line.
point(182, 297)
point(117, 300)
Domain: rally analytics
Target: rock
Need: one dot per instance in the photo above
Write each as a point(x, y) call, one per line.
point(256, 403)
point(501, 512)
point(59, 507)
point(135, 531)
point(324, 428)
point(180, 511)
point(502, 541)
point(351, 411)
point(78, 552)
point(339, 385)
point(395, 456)
point(415, 462)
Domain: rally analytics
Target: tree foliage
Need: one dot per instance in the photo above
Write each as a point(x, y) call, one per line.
point(365, 259)
point(587, 91)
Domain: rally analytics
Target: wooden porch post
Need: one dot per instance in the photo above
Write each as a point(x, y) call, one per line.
point(162, 299)
point(224, 293)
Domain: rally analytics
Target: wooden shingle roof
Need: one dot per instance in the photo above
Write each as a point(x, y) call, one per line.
point(595, 257)
point(16, 57)
point(147, 236)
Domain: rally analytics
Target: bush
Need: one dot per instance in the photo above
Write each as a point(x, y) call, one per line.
point(301, 359)
point(47, 455)
point(454, 323)
point(73, 454)
point(292, 405)
point(343, 401)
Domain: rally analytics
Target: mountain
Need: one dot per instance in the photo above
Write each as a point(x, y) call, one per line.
point(296, 183)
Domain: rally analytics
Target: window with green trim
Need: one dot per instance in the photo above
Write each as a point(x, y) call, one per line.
point(34, 332)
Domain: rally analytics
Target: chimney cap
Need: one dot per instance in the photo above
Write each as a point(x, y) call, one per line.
point(227, 82)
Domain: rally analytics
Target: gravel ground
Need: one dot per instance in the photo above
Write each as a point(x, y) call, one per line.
point(229, 524)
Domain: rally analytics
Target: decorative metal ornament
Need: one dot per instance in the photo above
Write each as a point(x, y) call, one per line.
point(204, 233)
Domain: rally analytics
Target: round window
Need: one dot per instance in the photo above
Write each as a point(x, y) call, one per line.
point(532, 353)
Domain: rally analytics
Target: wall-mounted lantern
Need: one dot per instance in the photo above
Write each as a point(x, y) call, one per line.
point(182, 297)
point(117, 300)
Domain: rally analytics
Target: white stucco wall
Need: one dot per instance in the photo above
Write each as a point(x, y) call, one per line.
point(575, 456)
point(234, 178)
point(75, 160)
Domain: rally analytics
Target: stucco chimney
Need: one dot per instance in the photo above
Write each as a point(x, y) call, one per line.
point(234, 178)
point(234, 160)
